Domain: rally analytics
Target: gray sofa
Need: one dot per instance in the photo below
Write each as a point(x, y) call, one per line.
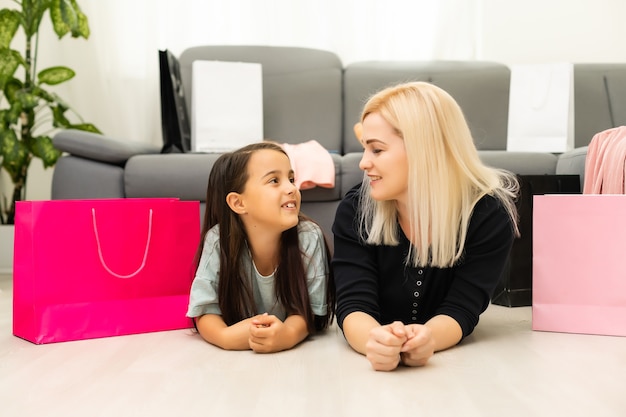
point(309, 94)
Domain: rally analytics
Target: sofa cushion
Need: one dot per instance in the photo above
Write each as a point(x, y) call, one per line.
point(573, 162)
point(319, 194)
point(99, 148)
point(351, 174)
point(81, 178)
point(185, 176)
point(481, 89)
point(599, 99)
point(302, 98)
point(521, 163)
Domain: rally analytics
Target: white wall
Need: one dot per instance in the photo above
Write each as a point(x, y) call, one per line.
point(532, 31)
point(509, 31)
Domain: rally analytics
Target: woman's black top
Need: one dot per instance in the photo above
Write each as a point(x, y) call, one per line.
point(376, 280)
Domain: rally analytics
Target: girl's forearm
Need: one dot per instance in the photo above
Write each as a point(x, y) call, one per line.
point(296, 331)
point(214, 330)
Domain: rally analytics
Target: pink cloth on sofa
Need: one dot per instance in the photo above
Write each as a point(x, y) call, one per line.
point(312, 164)
point(605, 164)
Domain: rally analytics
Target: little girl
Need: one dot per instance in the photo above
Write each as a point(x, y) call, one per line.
point(263, 280)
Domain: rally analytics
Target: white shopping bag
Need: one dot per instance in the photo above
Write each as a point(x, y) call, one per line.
point(226, 105)
point(541, 108)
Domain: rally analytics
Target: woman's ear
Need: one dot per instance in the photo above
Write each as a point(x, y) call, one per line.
point(236, 203)
point(358, 131)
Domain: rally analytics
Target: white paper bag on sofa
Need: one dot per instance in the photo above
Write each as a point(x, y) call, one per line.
point(541, 108)
point(226, 105)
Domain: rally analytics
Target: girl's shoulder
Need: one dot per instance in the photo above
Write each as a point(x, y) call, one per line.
point(310, 233)
point(309, 227)
point(310, 236)
point(213, 236)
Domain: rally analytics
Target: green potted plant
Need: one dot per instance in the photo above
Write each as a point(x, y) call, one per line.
point(29, 113)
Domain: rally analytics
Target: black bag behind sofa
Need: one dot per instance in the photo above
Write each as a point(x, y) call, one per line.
point(515, 287)
point(174, 117)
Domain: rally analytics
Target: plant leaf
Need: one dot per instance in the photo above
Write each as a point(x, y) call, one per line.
point(9, 22)
point(58, 15)
point(28, 100)
point(83, 23)
point(68, 18)
point(14, 154)
point(42, 147)
point(4, 122)
point(9, 61)
point(58, 115)
point(55, 75)
point(32, 12)
point(43, 94)
point(87, 127)
point(11, 88)
point(13, 113)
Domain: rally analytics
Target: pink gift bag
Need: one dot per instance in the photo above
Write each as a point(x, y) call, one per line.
point(94, 268)
point(579, 267)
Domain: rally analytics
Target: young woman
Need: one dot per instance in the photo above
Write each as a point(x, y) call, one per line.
point(420, 245)
point(263, 280)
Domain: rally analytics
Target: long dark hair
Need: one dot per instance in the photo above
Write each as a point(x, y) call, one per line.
point(236, 298)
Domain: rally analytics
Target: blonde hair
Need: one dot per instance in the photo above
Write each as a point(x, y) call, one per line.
point(446, 176)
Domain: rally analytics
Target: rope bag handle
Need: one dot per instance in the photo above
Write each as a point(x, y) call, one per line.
point(145, 254)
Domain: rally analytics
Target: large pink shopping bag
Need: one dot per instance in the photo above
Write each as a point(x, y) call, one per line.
point(579, 264)
point(94, 268)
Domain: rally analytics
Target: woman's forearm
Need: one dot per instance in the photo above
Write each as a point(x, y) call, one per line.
point(356, 329)
point(446, 331)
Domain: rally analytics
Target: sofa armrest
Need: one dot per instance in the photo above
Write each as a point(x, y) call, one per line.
point(100, 148)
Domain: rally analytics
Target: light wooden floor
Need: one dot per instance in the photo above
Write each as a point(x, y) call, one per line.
point(504, 369)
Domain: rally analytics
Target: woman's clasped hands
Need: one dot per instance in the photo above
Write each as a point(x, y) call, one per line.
point(395, 343)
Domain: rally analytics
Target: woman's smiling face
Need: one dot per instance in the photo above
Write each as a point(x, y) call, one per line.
point(384, 159)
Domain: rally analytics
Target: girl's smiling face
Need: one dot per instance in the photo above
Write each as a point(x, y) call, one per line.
point(270, 197)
